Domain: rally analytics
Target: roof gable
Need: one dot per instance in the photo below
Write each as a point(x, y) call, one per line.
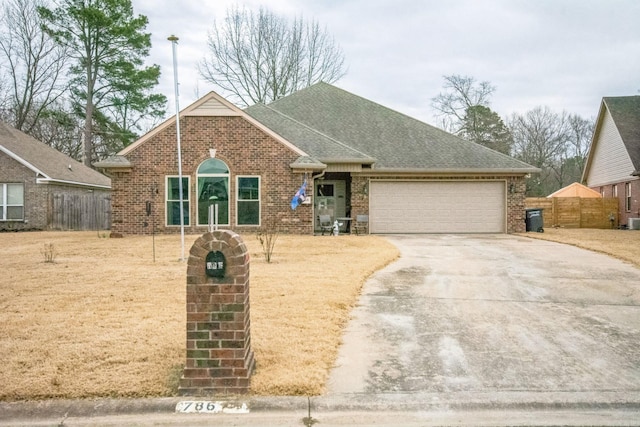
point(625, 112)
point(575, 190)
point(397, 142)
point(614, 153)
point(212, 105)
point(48, 164)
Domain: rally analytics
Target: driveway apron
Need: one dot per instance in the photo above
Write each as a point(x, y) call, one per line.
point(494, 314)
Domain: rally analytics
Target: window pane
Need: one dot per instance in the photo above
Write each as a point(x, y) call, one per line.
point(1, 194)
point(248, 213)
point(213, 190)
point(173, 192)
point(15, 194)
point(173, 213)
point(325, 190)
point(248, 188)
point(14, 212)
point(213, 166)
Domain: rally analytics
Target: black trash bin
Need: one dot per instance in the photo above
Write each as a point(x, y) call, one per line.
point(533, 220)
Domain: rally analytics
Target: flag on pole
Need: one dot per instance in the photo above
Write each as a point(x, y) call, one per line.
point(299, 196)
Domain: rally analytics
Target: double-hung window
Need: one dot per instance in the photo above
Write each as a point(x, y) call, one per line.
point(11, 202)
point(627, 196)
point(248, 200)
point(173, 200)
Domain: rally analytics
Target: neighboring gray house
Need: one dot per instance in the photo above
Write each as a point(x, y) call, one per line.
point(41, 188)
point(613, 164)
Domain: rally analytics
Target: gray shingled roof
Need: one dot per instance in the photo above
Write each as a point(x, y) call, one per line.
point(48, 163)
point(625, 111)
point(311, 141)
point(328, 122)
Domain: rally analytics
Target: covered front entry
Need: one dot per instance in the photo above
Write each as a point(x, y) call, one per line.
point(330, 198)
point(437, 207)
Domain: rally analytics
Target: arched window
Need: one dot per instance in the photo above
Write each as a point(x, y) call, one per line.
point(213, 189)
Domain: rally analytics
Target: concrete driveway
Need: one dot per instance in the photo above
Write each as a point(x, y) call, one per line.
point(495, 320)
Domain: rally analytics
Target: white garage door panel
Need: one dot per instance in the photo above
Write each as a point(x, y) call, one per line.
point(437, 207)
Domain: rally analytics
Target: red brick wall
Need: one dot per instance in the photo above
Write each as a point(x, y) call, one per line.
point(218, 347)
point(38, 203)
point(247, 151)
point(244, 148)
point(35, 196)
point(623, 214)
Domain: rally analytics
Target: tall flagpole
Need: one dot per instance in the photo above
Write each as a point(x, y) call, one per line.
point(174, 42)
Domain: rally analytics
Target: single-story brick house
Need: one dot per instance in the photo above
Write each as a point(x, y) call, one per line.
point(356, 157)
point(41, 188)
point(612, 167)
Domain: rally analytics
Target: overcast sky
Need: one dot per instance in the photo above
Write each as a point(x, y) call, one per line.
point(564, 54)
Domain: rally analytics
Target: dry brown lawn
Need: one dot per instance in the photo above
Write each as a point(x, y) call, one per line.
point(104, 319)
point(622, 244)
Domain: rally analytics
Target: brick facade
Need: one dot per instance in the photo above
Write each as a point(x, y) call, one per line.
point(243, 147)
point(247, 150)
point(38, 203)
point(35, 196)
point(623, 213)
point(219, 355)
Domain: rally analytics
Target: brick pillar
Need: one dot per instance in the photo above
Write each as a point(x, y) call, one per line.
point(219, 356)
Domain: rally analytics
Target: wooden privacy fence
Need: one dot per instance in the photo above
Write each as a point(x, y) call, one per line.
point(91, 211)
point(576, 212)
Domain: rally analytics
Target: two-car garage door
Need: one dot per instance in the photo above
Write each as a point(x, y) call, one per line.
point(437, 207)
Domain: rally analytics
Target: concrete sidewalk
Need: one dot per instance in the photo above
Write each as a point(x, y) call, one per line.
point(455, 409)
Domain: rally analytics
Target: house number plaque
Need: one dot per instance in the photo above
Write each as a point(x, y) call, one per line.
point(215, 264)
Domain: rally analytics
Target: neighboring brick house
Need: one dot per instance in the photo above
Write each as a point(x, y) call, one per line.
point(613, 164)
point(357, 158)
point(41, 188)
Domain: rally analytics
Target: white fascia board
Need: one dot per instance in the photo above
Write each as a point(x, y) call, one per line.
point(74, 183)
point(23, 162)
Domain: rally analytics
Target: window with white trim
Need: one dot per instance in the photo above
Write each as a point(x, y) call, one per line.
point(213, 190)
point(11, 202)
point(172, 198)
point(615, 190)
point(627, 196)
point(248, 200)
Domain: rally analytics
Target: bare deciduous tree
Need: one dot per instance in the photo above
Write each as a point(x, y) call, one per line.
point(261, 57)
point(540, 137)
point(462, 93)
point(33, 64)
point(580, 134)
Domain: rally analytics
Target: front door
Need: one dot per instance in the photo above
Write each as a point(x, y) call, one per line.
point(329, 199)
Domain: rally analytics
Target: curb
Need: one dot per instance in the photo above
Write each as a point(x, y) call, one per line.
point(461, 401)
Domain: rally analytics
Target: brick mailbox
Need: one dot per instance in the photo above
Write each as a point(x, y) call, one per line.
point(219, 356)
